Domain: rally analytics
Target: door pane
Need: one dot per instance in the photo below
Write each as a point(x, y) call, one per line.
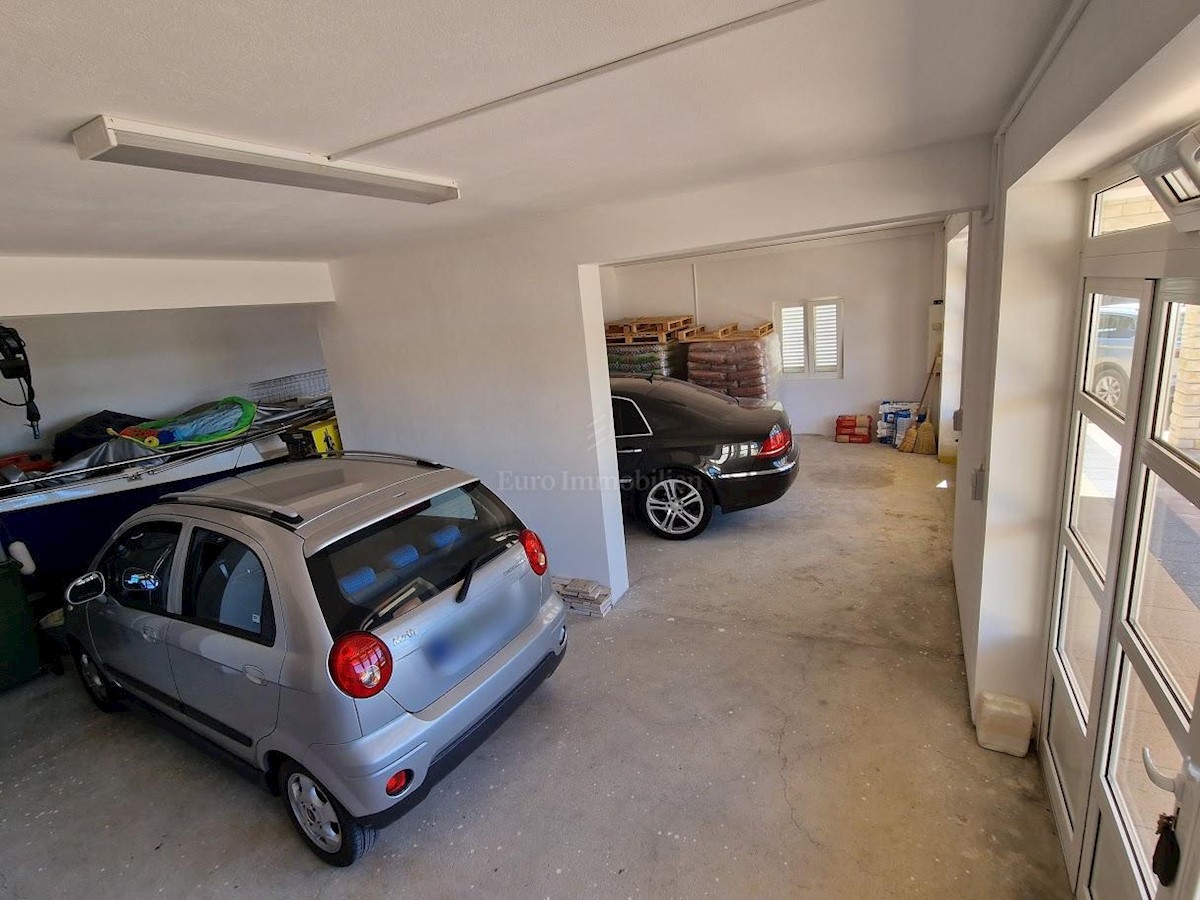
point(1125, 206)
point(1079, 633)
point(1139, 725)
point(1165, 608)
point(1179, 420)
point(1111, 340)
point(1097, 464)
point(1071, 751)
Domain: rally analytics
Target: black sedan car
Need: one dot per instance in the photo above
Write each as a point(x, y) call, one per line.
point(683, 450)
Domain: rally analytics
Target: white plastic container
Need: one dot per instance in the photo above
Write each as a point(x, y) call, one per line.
point(1004, 723)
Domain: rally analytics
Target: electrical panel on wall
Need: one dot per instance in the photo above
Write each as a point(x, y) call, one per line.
point(1171, 170)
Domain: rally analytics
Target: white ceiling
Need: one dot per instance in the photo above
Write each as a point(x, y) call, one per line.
point(1160, 98)
point(836, 79)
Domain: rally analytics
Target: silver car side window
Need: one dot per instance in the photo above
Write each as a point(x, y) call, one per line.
point(225, 587)
point(137, 566)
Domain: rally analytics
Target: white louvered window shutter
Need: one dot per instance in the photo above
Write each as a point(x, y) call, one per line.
point(793, 338)
point(827, 338)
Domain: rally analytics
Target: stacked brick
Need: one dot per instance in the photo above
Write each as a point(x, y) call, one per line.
point(1185, 402)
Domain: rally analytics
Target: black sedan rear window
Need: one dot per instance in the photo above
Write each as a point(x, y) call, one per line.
point(388, 569)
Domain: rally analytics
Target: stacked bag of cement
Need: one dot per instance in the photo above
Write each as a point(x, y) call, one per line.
point(894, 419)
point(738, 366)
point(668, 359)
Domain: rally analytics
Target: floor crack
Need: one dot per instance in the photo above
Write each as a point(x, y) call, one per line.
point(783, 764)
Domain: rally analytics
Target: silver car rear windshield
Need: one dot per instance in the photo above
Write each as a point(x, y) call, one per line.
point(390, 568)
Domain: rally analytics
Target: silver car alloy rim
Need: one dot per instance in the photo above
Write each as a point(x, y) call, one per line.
point(91, 677)
point(1108, 390)
point(315, 813)
point(674, 506)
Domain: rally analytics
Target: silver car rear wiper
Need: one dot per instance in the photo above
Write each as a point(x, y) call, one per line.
point(468, 572)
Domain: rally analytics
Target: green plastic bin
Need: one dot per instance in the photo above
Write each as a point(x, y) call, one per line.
point(18, 642)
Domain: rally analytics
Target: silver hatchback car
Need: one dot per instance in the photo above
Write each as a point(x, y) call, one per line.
point(352, 627)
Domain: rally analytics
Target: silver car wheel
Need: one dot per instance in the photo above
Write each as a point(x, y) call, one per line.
point(675, 506)
point(315, 812)
point(92, 678)
point(1108, 390)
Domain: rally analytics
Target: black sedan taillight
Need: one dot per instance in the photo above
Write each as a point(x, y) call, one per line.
point(778, 442)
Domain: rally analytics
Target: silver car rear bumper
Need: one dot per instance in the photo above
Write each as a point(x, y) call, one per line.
point(357, 772)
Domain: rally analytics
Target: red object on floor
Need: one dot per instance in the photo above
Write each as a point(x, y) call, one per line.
point(857, 427)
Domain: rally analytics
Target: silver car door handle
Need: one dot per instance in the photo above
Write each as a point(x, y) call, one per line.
point(255, 674)
point(631, 450)
point(149, 634)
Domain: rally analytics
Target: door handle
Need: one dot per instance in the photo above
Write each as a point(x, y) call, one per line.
point(149, 634)
point(255, 674)
point(1171, 783)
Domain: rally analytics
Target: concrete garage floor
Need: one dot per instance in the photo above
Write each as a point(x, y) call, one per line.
point(776, 709)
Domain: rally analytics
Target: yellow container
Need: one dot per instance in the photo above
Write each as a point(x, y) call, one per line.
point(325, 436)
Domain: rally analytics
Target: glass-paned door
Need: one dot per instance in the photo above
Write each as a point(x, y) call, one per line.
point(1114, 322)
point(1143, 689)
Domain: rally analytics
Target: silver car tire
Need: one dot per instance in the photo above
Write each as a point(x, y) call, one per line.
point(101, 691)
point(327, 828)
point(677, 505)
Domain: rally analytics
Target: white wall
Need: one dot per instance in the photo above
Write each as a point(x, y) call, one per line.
point(957, 234)
point(487, 351)
point(1039, 300)
point(1013, 381)
point(153, 363)
point(886, 280)
point(37, 286)
point(1111, 42)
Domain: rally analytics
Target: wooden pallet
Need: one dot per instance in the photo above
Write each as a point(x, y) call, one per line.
point(641, 337)
point(659, 324)
point(732, 333)
point(711, 334)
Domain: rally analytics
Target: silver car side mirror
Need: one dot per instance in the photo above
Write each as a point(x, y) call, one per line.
point(85, 588)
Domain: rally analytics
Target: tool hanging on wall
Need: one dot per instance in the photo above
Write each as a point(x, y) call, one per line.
point(14, 363)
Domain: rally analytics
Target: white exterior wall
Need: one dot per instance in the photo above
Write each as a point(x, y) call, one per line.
point(487, 352)
point(886, 282)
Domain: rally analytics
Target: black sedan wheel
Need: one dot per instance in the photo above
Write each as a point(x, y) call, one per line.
point(677, 506)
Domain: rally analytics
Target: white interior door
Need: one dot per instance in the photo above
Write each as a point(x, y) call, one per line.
point(1126, 653)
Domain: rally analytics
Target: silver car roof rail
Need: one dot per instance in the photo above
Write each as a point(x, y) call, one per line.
point(381, 455)
point(284, 515)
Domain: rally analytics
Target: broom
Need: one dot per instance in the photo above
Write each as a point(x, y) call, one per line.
point(921, 438)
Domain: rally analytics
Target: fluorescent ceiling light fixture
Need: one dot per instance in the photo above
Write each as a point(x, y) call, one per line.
point(153, 146)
